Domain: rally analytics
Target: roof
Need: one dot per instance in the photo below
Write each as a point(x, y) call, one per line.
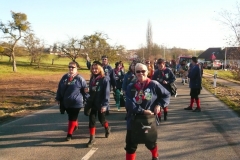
point(212, 52)
point(219, 54)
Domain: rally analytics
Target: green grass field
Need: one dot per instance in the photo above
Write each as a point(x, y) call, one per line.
point(46, 67)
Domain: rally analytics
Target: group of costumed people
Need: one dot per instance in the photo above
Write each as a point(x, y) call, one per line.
point(146, 90)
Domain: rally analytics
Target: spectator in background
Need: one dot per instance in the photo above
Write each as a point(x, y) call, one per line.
point(88, 63)
point(119, 75)
point(184, 71)
point(195, 85)
point(109, 73)
point(121, 66)
point(150, 69)
point(155, 64)
point(173, 66)
point(129, 77)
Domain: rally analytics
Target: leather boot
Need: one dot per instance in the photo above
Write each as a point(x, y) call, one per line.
point(107, 131)
point(69, 137)
point(165, 116)
point(91, 141)
point(165, 113)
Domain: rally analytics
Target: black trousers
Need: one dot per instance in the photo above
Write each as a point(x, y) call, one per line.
point(73, 113)
point(194, 92)
point(92, 117)
point(132, 147)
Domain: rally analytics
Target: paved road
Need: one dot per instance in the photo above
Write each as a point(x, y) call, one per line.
point(213, 134)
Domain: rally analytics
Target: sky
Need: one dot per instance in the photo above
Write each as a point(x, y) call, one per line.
point(189, 24)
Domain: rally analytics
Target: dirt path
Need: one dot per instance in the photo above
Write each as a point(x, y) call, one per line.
point(23, 95)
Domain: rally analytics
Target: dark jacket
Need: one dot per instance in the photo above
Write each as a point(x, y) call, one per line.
point(129, 77)
point(164, 75)
point(109, 73)
point(155, 94)
point(119, 75)
point(71, 93)
point(195, 76)
point(102, 95)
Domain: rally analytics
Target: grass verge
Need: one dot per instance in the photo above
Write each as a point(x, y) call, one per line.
point(228, 96)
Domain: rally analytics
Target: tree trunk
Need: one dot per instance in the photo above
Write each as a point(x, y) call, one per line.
point(31, 62)
point(14, 63)
point(10, 58)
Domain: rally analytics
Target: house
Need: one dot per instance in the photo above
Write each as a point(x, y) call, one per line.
point(212, 54)
point(229, 56)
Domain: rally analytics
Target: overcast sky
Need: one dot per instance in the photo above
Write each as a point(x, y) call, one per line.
point(189, 24)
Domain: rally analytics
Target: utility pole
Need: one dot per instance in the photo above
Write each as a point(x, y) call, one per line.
point(225, 62)
point(143, 53)
point(164, 52)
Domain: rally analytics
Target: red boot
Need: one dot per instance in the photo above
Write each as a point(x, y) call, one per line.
point(154, 152)
point(91, 141)
point(130, 156)
point(71, 126)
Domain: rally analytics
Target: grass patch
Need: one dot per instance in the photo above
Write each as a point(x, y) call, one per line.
point(228, 96)
point(223, 74)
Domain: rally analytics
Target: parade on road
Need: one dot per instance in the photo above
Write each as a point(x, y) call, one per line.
point(149, 111)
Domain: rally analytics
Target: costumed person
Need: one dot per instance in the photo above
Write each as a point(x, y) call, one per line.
point(119, 75)
point(88, 63)
point(195, 84)
point(99, 91)
point(143, 98)
point(150, 69)
point(173, 66)
point(184, 72)
point(72, 91)
point(166, 78)
point(122, 66)
point(109, 73)
point(129, 77)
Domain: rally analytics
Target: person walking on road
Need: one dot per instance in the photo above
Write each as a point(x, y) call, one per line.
point(109, 73)
point(129, 77)
point(165, 77)
point(72, 90)
point(195, 85)
point(150, 69)
point(122, 66)
point(99, 91)
point(143, 98)
point(119, 75)
point(183, 70)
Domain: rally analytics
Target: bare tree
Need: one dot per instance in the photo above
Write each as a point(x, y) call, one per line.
point(6, 50)
point(96, 46)
point(35, 47)
point(149, 39)
point(72, 49)
point(13, 31)
point(232, 22)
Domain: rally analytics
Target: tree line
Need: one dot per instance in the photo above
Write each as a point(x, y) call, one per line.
point(19, 38)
